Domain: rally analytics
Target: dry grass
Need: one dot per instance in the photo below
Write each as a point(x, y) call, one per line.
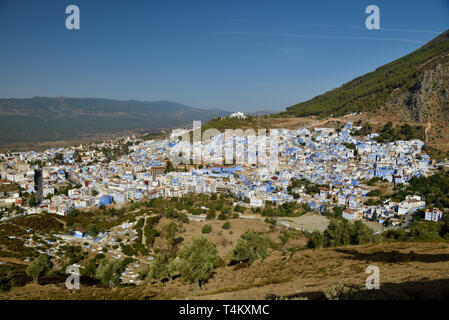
point(306, 273)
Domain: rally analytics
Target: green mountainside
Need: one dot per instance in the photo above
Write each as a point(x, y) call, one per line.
point(373, 90)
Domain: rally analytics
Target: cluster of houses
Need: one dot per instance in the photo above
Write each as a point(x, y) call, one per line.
point(323, 156)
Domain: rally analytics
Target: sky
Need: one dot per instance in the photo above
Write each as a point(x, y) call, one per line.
point(237, 55)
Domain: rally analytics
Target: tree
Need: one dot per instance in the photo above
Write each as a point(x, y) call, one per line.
point(41, 265)
point(32, 201)
point(162, 266)
point(251, 246)
point(226, 225)
point(337, 211)
point(207, 228)
point(92, 229)
point(211, 214)
point(150, 235)
point(6, 282)
point(140, 223)
point(197, 260)
point(338, 233)
point(169, 232)
point(285, 237)
point(316, 240)
point(361, 233)
point(108, 272)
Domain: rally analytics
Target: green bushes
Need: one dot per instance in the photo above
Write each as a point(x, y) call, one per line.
point(207, 228)
point(128, 250)
point(374, 193)
point(211, 214)
point(108, 272)
point(162, 266)
point(169, 232)
point(316, 240)
point(396, 235)
point(427, 230)
point(173, 214)
point(6, 283)
point(197, 260)
point(140, 223)
point(226, 225)
point(92, 229)
point(41, 265)
point(404, 132)
point(435, 189)
point(341, 232)
point(152, 221)
point(251, 246)
point(150, 235)
point(149, 232)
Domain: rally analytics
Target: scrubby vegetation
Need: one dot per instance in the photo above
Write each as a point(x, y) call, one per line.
point(434, 189)
point(341, 232)
point(250, 247)
point(372, 90)
point(404, 132)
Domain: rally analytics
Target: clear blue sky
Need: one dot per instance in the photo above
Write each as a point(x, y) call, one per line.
point(230, 54)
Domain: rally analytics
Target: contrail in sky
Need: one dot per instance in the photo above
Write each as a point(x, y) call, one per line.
point(325, 25)
point(318, 36)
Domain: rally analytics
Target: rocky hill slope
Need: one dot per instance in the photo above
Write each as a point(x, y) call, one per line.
point(414, 88)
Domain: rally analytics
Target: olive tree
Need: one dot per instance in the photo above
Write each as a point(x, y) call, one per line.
point(197, 260)
point(251, 246)
point(108, 272)
point(41, 265)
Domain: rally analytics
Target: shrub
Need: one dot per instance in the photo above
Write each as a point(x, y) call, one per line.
point(211, 214)
point(226, 225)
point(316, 240)
point(140, 223)
point(108, 272)
point(6, 282)
point(207, 228)
point(39, 266)
point(251, 246)
point(162, 266)
point(197, 260)
point(92, 229)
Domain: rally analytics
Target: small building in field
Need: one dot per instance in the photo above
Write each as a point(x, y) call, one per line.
point(80, 232)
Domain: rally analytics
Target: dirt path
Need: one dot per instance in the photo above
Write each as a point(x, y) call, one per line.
point(428, 127)
point(323, 122)
point(13, 261)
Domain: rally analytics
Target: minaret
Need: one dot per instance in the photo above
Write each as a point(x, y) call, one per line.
point(38, 184)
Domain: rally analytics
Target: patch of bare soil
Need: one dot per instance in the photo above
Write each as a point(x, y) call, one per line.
point(224, 239)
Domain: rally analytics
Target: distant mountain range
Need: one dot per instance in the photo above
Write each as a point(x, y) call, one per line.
point(51, 119)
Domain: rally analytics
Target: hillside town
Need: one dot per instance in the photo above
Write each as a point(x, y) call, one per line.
point(59, 180)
